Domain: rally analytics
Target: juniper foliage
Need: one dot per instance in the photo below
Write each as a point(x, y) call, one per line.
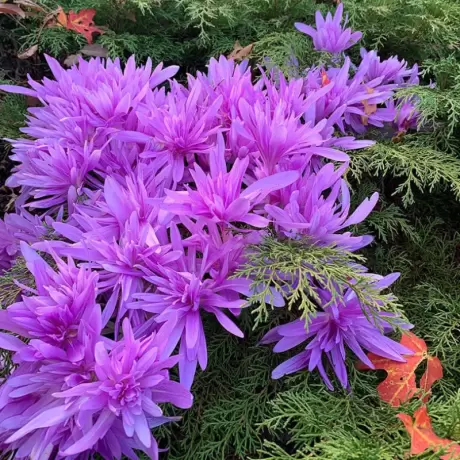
point(240, 413)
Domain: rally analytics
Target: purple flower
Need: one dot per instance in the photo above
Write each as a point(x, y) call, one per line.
point(231, 82)
point(62, 310)
point(406, 117)
point(8, 247)
point(277, 136)
point(195, 283)
point(351, 102)
point(329, 34)
point(55, 175)
point(219, 196)
point(342, 322)
point(317, 206)
point(140, 192)
point(185, 127)
point(110, 410)
point(122, 262)
point(21, 226)
point(73, 130)
point(392, 70)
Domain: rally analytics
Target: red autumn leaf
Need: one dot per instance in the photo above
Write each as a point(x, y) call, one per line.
point(400, 383)
point(433, 372)
point(81, 22)
point(424, 438)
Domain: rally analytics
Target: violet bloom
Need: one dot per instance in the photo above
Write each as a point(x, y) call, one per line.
point(392, 69)
point(343, 322)
point(231, 82)
point(182, 292)
point(406, 117)
point(317, 207)
point(329, 34)
point(73, 130)
point(21, 226)
point(278, 136)
point(8, 247)
point(361, 100)
point(185, 127)
point(122, 262)
point(219, 196)
point(140, 192)
point(113, 411)
point(55, 175)
point(63, 305)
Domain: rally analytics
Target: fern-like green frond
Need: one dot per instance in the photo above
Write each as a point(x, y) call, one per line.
point(413, 163)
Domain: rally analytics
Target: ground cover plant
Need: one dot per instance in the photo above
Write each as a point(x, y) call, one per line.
point(223, 258)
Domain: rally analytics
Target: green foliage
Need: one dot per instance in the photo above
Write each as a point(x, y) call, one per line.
point(231, 398)
point(413, 161)
point(239, 411)
point(12, 110)
point(341, 423)
point(56, 41)
point(295, 268)
point(9, 289)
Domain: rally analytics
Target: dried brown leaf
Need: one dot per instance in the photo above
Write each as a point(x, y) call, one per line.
point(240, 52)
point(29, 4)
point(12, 9)
point(71, 60)
point(29, 52)
point(95, 50)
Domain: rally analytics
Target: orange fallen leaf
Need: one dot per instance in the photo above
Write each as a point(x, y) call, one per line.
point(424, 438)
point(432, 374)
point(62, 17)
point(81, 22)
point(369, 109)
point(240, 52)
point(400, 384)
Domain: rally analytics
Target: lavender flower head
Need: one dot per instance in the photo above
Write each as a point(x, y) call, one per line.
point(62, 308)
point(339, 324)
point(329, 34)
point(113, 407)
point(317, 207)
point(192, 284)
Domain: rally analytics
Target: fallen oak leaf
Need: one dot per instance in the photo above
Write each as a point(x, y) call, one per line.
point(433, 373)
point(82, 22)
point(400, 384)
point(61, 17)
point(424, 438)
point(239, 53)
point(324, 78)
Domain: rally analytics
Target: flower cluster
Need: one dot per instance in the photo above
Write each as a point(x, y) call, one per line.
point(156, 194)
